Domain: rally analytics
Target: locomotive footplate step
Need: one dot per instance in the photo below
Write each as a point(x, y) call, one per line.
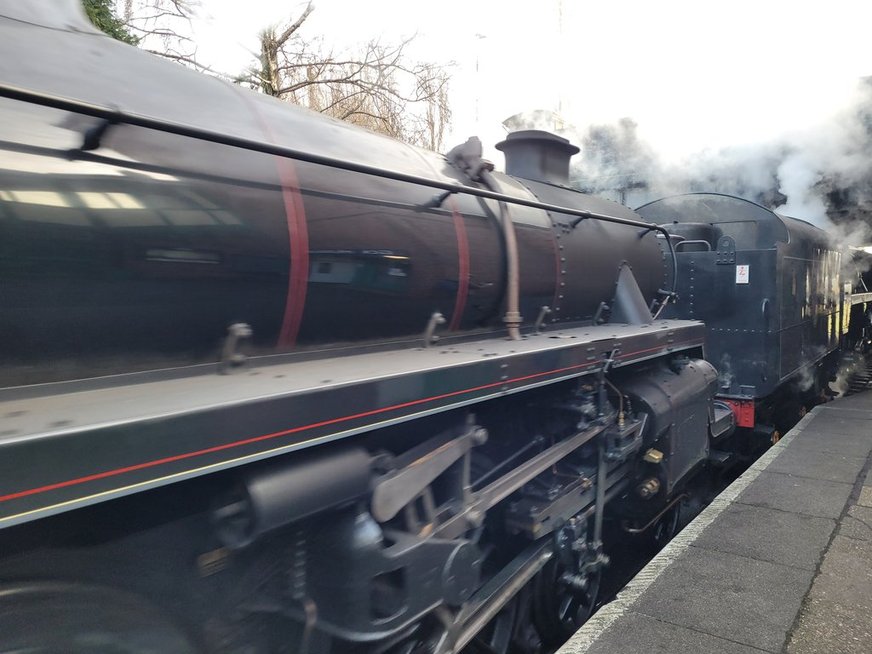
point(721, 459)
point(781, 561)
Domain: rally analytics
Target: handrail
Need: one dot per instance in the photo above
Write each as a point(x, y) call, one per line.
point(115, 116)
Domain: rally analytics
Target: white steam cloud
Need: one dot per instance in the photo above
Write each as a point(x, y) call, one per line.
point(822, 175)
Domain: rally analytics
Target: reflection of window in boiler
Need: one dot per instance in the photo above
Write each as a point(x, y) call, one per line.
point(94, 200)
point(134, 218)
point(225, 217)
point(43, 198)
point(199, 200)
point(162, 201)
point(52, 214)
point(188, 217)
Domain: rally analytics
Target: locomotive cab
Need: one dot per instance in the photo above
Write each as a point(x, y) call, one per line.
point(695, 237)
point(767, 287)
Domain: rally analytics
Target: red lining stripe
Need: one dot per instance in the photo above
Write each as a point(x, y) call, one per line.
point(462, 266)
point(294, 430)
point(298, 241)
point(298, 237)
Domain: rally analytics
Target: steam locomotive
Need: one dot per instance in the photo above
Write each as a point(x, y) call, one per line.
point(776, 298)
point(275, 384)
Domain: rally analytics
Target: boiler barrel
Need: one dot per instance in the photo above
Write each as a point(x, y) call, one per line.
point(141, 250)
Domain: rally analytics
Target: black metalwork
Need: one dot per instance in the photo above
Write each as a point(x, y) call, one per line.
point(86, 109)
point(360, 484)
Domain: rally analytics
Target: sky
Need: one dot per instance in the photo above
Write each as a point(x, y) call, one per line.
point(693, 75)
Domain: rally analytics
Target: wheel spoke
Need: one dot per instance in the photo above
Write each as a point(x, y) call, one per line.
point(496, 637)
point(568, 607)
point(589, 599)
point(560, 609)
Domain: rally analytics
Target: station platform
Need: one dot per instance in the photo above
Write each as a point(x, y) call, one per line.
point(780, 561)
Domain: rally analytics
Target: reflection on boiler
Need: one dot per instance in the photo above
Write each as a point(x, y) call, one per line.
point(382, 271)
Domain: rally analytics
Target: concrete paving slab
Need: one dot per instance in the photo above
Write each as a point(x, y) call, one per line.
point(865, 498)
point(857, 524)
point(732, 597)
point(849, 562)
point(833, 588)
point(857, 403)
point(860, 402)
point(641, 633)
point(769, 535)
point(835, 616)
point(820, 441)
point(814, 497)
point(831, 627)
point(846, 411)
point(838, 423)
point(829, 466)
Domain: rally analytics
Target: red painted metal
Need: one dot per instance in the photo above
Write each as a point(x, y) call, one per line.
point(744, 411)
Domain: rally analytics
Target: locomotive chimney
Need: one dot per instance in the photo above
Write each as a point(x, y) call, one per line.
point(538, 155)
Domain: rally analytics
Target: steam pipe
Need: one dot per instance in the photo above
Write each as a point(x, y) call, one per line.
point(639, 530)
point(513, 276)
point(119, 117)
point(672, 294)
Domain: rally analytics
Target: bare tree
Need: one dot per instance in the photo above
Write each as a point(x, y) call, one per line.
point(376, 87)
point(162, 27)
